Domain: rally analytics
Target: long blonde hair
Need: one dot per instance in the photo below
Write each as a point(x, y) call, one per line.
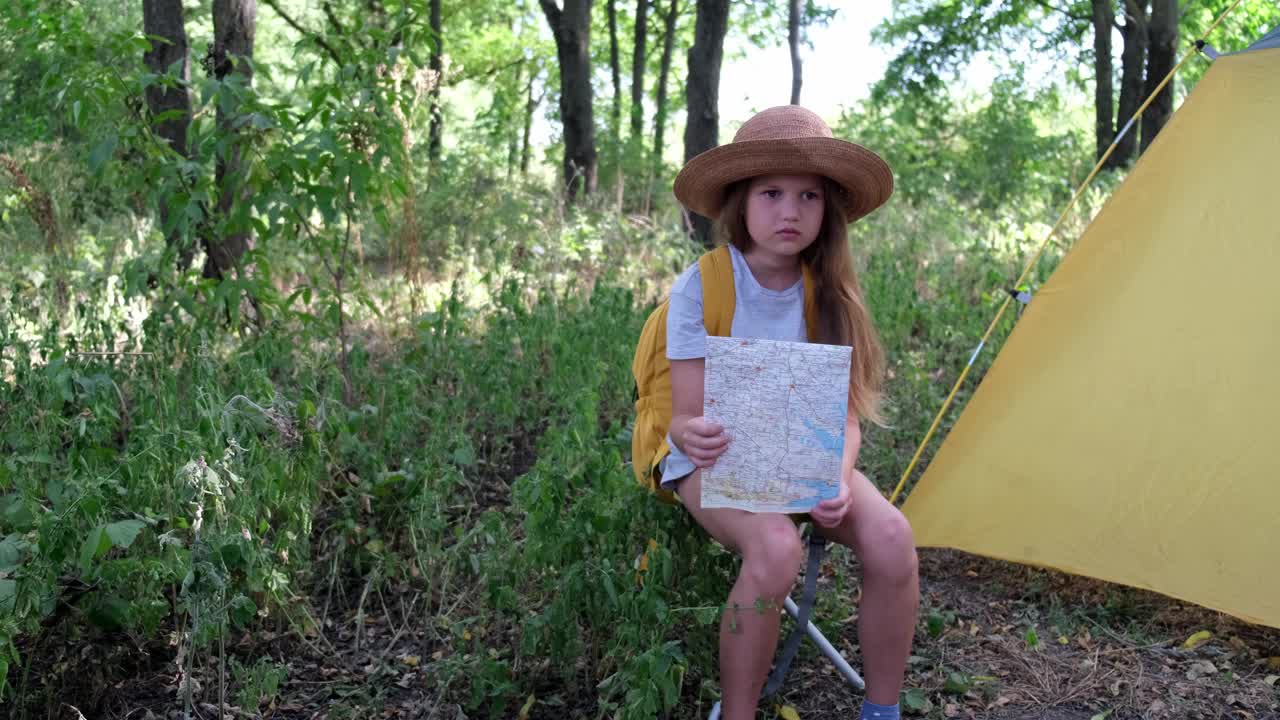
point(843, 317)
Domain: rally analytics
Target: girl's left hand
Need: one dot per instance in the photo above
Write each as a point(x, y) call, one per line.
point(830, 513)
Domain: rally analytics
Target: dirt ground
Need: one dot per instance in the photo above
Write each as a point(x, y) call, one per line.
point(1099, 652)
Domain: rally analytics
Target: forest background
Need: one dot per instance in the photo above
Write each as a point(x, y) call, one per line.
point(316, 322)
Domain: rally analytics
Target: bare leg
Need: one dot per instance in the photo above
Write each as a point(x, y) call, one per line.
point(882, 539)
point(771, 554)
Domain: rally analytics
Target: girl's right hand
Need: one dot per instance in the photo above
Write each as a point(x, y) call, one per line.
point(703, 441)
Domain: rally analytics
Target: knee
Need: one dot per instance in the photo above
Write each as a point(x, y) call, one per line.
point(772, 561)
point(890, 548)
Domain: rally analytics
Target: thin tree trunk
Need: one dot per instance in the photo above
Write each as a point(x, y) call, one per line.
point(1104, 129)
point(615, 117)
point(637, 69)
point(660, 111)
point(513, 140)
point(164, 18)
point(615, 70)
point(435, 132)
point(1132, 59)
point(702, 128)
point(234, 24)
point(793, 41)
point(530, 106)
point(1163, 33)
point(572, 30)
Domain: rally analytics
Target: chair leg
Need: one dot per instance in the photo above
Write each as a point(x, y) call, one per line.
point(827, 649)
point(715, 712)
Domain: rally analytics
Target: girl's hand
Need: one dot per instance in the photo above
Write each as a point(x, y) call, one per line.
point(830, 513)
point(703, 441)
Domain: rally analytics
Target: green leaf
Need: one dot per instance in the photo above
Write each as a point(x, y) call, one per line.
point(124, 532)
point(464, 456)
point(10, 553)
point(935, 624)
point(242, 610)
point(957, 683)
point(1033, 640)
point(8, 595)
point(102, 152)
point(915, 701)
point(95, 545)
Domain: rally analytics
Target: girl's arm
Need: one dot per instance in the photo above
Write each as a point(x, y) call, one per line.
point(702, 441)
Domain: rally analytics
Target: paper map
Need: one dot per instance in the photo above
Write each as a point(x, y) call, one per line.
point(783, 405)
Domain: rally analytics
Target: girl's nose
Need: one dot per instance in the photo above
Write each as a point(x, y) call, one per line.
point(790, 209)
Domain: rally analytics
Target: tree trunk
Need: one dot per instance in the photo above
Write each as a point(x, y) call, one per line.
point(234, 24)
point(637, 70)
point(701, 131)
point(163, 18)
point(615, 116)
point(1163, 33)
point(1104, 128)
point(660, 111)
point(1132, 59)
point(571, 28)
point(793, 40)
point(435, 132)
point(615, 70)
point(530, 106)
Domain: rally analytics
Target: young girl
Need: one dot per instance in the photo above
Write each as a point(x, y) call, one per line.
point(782, 194)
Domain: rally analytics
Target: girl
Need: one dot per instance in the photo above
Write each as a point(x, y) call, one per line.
point(782, 194)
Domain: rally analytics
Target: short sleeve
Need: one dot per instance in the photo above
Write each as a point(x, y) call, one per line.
point(686, 335)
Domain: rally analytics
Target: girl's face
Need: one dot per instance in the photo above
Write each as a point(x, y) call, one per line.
point(784, 213)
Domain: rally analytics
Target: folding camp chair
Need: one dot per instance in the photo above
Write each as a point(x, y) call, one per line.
point(817, 545)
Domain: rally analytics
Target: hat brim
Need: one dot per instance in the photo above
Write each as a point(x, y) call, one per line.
point(866, 178)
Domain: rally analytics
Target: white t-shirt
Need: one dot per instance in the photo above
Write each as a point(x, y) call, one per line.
point(758, 312)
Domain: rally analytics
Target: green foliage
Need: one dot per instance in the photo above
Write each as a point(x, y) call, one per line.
point(473, 438)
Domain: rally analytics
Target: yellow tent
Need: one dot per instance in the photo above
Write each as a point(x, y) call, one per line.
point(1129, 430)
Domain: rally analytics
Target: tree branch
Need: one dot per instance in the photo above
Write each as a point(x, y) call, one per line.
point(319, 39)
point(333, 18)
point(1077, 18)
point(493, 70)
point(552, 11)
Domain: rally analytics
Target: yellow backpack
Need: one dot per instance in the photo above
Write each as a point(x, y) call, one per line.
point(652, 370)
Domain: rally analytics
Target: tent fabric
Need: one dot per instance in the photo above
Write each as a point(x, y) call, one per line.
point(1268, 41)
point(1127, 430)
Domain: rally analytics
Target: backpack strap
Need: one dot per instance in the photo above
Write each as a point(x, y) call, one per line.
point(718, 295)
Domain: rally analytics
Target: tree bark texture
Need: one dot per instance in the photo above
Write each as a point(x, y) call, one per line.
point(615, 70)
point(660, 117)
point(530, 105)
point(164, 19)
point(435, 132)
point(571, 28)
point(1103, 102)
point(1132, 59)
point(637, 69)
point(701, 131)
point(234, 25)
point(1163, 34)
point(793, 41)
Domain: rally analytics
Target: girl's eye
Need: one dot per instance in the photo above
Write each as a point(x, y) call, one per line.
point(772, 193)
point(811, 195)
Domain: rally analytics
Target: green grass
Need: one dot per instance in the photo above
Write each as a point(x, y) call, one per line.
point(219, 483)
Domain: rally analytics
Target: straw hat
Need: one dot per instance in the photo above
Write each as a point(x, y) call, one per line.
point(786, 140)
